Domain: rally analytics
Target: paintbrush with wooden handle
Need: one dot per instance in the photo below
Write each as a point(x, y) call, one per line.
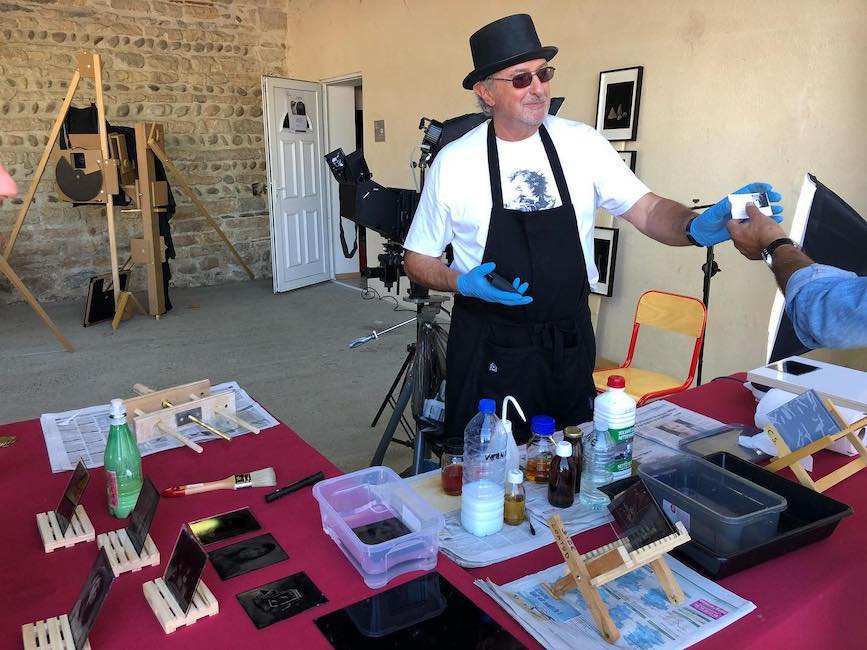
point(260, 478)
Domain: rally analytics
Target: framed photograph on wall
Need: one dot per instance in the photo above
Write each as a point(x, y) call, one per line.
point(629, 158)
point(605, 256)
point(618, 102)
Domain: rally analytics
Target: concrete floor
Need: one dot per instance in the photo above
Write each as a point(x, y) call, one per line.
point(289, 351)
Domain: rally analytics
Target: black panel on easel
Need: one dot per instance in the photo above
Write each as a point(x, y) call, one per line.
point(100, 298)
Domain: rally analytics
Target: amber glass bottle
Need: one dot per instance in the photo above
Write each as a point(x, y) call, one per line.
point(561, 477)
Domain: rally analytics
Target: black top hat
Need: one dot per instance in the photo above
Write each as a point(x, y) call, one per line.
point(504, 43)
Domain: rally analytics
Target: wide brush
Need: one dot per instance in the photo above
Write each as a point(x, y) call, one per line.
point(260, 478)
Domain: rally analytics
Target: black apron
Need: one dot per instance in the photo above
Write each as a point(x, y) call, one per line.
point(542, 353)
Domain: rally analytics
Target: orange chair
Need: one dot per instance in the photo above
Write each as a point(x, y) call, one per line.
point(669, 311)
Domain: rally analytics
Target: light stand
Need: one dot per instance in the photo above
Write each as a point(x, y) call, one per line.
point(417, 370)
point(709, 269)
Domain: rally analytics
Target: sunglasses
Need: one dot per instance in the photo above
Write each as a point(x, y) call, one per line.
point(524, 79)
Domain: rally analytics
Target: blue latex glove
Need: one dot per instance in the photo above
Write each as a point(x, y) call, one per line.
point(709, 228)
point(474, 284)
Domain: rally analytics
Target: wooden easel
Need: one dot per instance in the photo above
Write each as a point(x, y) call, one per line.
point(147, 193)
point(789, 458)
point(592, 570)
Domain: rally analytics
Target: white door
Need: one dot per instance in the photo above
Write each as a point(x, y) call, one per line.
point(300, 246)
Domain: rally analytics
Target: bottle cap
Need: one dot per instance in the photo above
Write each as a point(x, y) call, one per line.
point(487, 405)
point(564, 449)
point(616, 381)
point(118, 410)
point(542, 424)
point(515, 476)
point(572, 433)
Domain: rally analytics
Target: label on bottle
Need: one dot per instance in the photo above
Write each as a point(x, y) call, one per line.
point(111, 489)
point(621, 464)
point(675, 514)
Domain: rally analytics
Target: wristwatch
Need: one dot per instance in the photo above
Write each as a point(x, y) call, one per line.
point(768, 251)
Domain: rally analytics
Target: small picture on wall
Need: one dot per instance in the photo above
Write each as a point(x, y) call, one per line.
point(629, 158)
point(618, 103)
point(604, 256)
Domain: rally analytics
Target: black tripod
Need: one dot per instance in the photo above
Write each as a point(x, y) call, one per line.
point(419, 372)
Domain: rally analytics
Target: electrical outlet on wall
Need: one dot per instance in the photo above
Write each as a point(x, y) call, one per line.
point(379, 130)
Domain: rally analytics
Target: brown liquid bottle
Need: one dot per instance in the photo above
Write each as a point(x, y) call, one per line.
point(561, 477)
point(573, 436)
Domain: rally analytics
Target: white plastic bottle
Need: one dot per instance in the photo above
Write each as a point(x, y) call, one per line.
point(614, 410)
point(484, 476)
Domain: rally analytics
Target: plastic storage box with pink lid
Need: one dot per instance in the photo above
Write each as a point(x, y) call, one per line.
point(380, 523)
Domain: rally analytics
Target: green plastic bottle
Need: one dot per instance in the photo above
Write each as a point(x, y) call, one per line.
point(122, 464)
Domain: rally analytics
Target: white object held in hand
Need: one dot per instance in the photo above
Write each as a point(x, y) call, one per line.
point(739, 204)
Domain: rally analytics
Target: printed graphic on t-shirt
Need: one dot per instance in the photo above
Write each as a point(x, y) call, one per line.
point(527, 191)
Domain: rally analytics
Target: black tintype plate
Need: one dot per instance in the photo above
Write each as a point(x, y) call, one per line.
point(185, 568)
point(280, 599)
point(381, 531)
point(90, 599)
point(143, 515)
point(220, 527)
point(71, 496)
point(251, 554)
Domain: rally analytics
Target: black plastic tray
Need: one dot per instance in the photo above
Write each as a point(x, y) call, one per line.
point(809, 517)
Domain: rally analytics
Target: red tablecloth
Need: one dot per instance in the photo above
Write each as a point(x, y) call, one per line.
point(808, 598)
point(36, 585)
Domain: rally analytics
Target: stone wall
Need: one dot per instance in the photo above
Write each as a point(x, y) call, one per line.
point(192, 65)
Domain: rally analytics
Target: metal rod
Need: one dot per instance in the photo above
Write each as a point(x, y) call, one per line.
point(167, 404)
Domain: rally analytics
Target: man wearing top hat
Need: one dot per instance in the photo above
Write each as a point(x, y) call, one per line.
point(517, 195)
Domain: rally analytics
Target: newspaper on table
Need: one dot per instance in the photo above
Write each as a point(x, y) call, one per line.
point(82, 433)
point(636, 602)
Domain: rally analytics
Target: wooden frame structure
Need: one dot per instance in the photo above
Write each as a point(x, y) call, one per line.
point(592, 570)
point(789, 458)
point(158, 413)
point(147, 194)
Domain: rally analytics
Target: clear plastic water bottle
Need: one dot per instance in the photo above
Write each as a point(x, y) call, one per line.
point(123, 477)
point(484, 475)
point(598, 454)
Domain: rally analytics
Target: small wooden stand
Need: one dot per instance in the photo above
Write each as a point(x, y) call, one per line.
point(166, 608)
point(789, 458)
point(122, 555)
point(50, 634)
point(79, 530)
point(590, 571)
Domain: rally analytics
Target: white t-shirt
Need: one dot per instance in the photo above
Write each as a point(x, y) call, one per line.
point(455, 205)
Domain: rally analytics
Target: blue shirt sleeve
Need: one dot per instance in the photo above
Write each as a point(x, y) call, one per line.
point(828, 307)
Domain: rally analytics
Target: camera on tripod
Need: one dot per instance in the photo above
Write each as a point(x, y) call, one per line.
point(386, 210)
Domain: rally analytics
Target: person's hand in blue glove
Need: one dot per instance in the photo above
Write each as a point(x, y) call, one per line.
point(474, 284)
point(709, 228)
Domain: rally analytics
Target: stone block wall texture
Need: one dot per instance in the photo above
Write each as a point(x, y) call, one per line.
point(193, 65)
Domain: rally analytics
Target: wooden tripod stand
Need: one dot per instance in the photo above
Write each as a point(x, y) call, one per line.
point(138, 182)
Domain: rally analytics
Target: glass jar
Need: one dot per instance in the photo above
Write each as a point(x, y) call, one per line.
point(540, 449)
point(574, 436)
point(452, 467)
point(514, 509)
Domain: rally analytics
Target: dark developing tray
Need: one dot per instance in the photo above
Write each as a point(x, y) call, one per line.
point(809, 517)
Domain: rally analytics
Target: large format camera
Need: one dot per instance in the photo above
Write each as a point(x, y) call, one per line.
point(386, 210)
